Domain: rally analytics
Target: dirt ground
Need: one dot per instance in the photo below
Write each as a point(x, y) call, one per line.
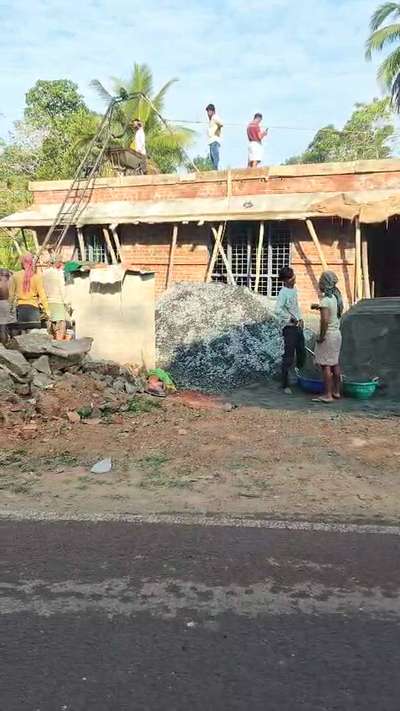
point(273, 455)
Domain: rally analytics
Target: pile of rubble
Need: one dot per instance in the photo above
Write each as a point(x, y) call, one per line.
point(39, 376)
point(215, 337)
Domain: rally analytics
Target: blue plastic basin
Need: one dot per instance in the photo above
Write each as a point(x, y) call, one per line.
point(310, 385)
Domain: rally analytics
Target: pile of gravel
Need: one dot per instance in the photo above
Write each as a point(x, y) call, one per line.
point(215, 337)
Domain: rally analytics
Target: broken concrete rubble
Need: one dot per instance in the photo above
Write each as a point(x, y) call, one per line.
point(42, 381)
point(42, 365)
point(15, 362)
point(6, 383)
point(110, 371)
point(37, 343)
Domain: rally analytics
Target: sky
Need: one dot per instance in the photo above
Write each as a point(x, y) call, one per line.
point(299, 63)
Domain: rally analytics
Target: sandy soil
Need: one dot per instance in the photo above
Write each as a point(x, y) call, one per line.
point(281, 459)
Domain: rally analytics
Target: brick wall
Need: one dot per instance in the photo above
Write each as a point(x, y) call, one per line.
point(375, 175)
point(147, 248)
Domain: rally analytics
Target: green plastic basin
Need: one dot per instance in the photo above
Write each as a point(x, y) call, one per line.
point(360, 391)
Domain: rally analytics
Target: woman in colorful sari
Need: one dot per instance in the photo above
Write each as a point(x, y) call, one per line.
point(26, 292)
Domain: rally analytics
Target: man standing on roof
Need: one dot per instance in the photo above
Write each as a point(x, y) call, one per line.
point(255, 134)
point(139, 140)
point(214, 135)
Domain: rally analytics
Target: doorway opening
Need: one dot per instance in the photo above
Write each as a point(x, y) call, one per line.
point(384, 257)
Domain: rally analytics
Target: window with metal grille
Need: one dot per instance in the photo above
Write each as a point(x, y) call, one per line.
point(240, 247)
point(95, 248)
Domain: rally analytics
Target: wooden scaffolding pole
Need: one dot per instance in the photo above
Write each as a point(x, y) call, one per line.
point(17, 247)
point(217, 241)
point(260, 245)
point(317, 244)
point(24, 238)
point(172, 251)
point(35, 240)
point(231, 278)
point(358, 292)
point(109, 245)
point(81, 243)
point(117, 242)
point(365, 266)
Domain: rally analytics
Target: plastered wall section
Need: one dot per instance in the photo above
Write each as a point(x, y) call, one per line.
point(120, 318)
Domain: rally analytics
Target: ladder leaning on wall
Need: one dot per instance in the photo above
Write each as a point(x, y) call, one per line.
point(79, 191)
point(81, 187)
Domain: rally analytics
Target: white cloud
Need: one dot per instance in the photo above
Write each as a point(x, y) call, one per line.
point(301, 64)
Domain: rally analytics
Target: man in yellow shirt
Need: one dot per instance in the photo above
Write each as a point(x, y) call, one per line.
point(26, 292)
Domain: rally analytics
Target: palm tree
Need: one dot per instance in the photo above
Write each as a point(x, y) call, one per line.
point(382, 37)
point(165, 146)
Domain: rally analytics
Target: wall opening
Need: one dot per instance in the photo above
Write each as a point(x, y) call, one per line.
point(240, 244)
point(384, 257)
point(95, 246)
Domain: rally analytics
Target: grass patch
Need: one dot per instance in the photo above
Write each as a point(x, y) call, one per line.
point(139, 406)
point(154, 460)
point(49, 462)
point(15, 456)
point(156, 476)
point(10, 484)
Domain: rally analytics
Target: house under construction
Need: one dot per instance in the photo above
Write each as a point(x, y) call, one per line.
point(238, 226)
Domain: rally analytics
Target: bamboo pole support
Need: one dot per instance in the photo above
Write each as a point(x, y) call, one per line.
point(81, 243)
point(358, 274)
point(258, 255)
point(109, 245)
point(231, 278)
point(35, 241)
point(17, 247)
point(24, 238)
point(217, 240)
point(365, 267)
point(172, 251)
point(317, 244)
point(117, 242)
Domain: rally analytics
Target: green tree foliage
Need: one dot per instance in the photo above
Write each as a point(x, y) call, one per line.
point(46, 144)
point(202, 163)
point(386, 35)
point(51, 101)
point(368, 134)
point(165, 146)
point(57, 110)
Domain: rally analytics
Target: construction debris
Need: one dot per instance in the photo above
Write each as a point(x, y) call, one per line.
point(215, 337)
point(61, 382)
point(14, 362)
point(6, 383)
point(38, 342)
point(42, 365)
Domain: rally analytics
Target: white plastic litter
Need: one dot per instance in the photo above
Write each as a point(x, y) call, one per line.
point(102, 467)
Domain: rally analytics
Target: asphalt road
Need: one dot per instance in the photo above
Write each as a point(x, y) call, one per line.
point(116, 616)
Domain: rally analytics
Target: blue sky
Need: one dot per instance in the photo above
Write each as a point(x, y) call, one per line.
point(300, 63)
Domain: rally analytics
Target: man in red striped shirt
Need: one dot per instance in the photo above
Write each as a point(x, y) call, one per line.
point(255, 134)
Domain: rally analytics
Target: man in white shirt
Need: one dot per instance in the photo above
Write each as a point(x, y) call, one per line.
point(288, 311)
point(214, 135)
point(139, 142)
